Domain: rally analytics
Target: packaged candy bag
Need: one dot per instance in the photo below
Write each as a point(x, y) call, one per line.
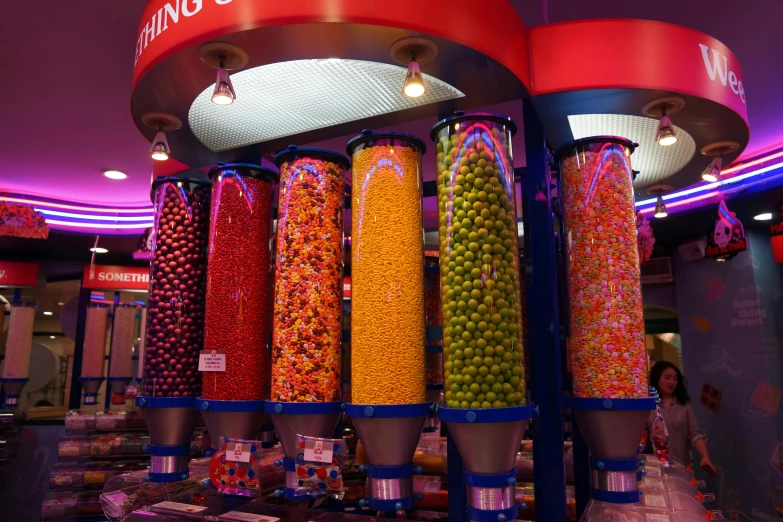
point(319, 467)
point(235, 468)
point(659, 437)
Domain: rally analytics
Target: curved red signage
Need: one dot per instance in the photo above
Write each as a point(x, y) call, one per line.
point(109, 277)
point(634, 54)
point(167, 26)
point(15, 274)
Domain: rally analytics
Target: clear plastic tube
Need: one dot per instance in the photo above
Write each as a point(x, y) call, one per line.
point(123, 331)
point(607, 345)
point(20, 341)
point(387, 270)
point(94, 355)
point(479, 260)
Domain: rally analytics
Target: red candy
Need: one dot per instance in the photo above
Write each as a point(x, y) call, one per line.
point(175, 306)
point(238, 283)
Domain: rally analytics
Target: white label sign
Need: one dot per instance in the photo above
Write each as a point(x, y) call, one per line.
point(236, 452)
point(653, 483)
point(318, 451)
point(178, 507)
point(246, 517)
point(214, 361)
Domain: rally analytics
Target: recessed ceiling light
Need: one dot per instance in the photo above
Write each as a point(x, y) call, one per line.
point(61, 303)
point(48, 313)
point(115, 174)
point(766, 216)
point(99, 250)
point(52, 337)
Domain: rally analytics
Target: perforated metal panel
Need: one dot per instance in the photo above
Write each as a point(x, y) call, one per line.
point(654, 163)
point(287, 98)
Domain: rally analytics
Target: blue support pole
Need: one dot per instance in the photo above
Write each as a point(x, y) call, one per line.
point(544, 326)
point(458, 498)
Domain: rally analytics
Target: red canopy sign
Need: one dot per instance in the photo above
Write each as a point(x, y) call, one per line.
point(107, 277)
point(14, 274)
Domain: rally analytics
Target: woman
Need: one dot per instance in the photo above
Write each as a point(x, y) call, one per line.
point(684, 431)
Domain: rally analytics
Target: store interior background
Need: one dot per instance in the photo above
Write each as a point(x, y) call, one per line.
point(721, 322)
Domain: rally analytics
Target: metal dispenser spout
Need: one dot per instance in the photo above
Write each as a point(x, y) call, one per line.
point(233, 419)
point(488, 442)
point(389, 434)
point(292, 419)
point(170, 421)
point(13, 389)
point(90, 386)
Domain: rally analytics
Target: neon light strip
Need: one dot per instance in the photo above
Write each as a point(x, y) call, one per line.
point(91, 217)
point(98, 225)
point(737, 168)
point(710, 186)
point(75, 207)
point(685, 201)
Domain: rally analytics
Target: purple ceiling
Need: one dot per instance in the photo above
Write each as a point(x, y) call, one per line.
point(66, 111)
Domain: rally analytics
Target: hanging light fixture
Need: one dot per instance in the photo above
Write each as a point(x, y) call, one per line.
point(160, 145)
point(224, 90)
point(660, 206)
point(414, 82)
point(665, 134)
point(412, 52)
point(162, 123)
point(712, 172)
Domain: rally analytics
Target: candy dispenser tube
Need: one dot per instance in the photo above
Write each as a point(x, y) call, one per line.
point(608, 356)
point(388, 374)
point(175, 323)
point(121, 356)
point(94, 354)
point(238, 300)
point(307, 322)
point(16, 367)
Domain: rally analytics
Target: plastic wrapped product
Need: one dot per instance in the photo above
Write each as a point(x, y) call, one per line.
point(66, 474)
point(73, 446)
point(607, 345)
point(479, 260)
point(76, 420)
point(307, 329)
point(387, 270)
point(238, 304)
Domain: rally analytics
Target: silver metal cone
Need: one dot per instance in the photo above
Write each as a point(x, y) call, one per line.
point(13, 387)
point(118, 387)
point(91, 386)
point(234, 424)
point(612, 434)
point(488, 447)
point(170, 426)
point(389, 442)
point(320, 425)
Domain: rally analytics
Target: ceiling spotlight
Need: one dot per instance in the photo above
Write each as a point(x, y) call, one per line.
point(665, 134)
point(712, 172)
point(224, 91)
point(115, 174)
point(160, 145)
point(414, 82)
point(48, 313)
point(660, 208)
point(52, 337)
point(766, 216)
point(99, 250)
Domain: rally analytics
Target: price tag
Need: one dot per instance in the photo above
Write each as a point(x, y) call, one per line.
point(214, 361)
point(177, 507)
point(238, 452)
point(654, 500)
point(652, 470)
point(652, 483)
point(318, 451)
point(238, 516)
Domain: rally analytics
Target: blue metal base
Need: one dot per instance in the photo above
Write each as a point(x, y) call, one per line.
point(499, 515)
point(167, 477)
point(468, 415)
point(388, 411)
point(228, 406)
point(647, 403)
point(302, 408)
point(616, 497)
point(391, 505)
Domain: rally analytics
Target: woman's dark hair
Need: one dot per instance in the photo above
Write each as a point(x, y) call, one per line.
point(681, 390)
